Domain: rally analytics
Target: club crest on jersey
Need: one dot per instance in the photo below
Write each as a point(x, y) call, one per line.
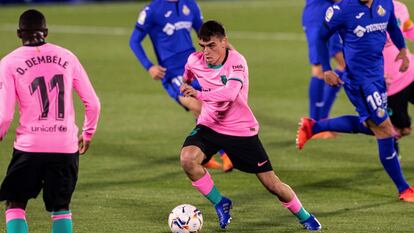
point(186, 10)
point(381, 11)
point(142, 16)
point(380, 112)
point(329, 13)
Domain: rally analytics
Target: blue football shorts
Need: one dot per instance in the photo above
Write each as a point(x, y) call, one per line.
point(172, 82)
point(370, 100)
point(334, 44)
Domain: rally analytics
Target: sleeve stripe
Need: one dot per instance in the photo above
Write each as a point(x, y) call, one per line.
point(237, 79)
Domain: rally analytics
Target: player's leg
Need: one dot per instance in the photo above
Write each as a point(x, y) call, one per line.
point(23, 181)
point(16, 217)
point(316, 84)
point(249, 155)
point(343, 124)
point(398, 110)
point(371, 106)
point(197, 149)
point(288, 198)
point(388, 155)
point(59, 184)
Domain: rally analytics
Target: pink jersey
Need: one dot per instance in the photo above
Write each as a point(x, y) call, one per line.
point(396, 81)
point(41, 80)
point(224, 94)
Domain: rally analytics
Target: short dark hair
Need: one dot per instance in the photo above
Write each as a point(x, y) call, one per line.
point(32, 20)
point(210, 29)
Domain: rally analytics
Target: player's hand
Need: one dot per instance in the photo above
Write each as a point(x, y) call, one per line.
point(157, 72)
point(188, 91)
point(331, 78)
point(402, 55)
point(83, 145)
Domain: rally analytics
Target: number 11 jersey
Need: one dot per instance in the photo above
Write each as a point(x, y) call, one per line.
point(41, 79)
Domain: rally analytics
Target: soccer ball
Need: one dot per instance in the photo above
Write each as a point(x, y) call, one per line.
point(185, 219)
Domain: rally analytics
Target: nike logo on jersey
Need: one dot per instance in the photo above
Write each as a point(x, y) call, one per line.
point(392, 156)
point(360, 15)
point(168, 14)
point(261, 164)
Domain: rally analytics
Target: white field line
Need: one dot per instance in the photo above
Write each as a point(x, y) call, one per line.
point(119, 31)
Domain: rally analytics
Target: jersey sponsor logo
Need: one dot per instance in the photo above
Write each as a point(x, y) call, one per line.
point(186, 10)
point(49, 129)
point(259, 164)
point(360, 31)
point(239, 67)
point(381, 11)
point(360, 15)
point(168, 14)
point(169, 28)
point(329, 13)
point(142, 16)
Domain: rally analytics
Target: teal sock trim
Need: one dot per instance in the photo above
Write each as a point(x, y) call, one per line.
point(214, 196)
point(302, 215)
point(62, 226)
point(61, 212)
point(17, 226)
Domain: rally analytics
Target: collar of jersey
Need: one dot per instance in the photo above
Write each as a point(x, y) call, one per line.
point(214, 66)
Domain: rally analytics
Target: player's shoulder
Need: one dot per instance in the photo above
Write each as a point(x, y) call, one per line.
point(400, 6)
point(234, 55)
point(61, 50)
point(195, 57)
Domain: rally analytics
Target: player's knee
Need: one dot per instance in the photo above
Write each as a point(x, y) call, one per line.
point(187, 158)
point(16, 204)
point(60, 207)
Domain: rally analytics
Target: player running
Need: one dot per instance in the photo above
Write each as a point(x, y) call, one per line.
point(321, 95)
point(226, 121)
point(168, 23)
point(40, 76)
point(363, 25)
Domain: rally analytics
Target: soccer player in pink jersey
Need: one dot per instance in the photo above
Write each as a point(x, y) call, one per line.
point(40, 76)
point(400, 86)
point(226, 121)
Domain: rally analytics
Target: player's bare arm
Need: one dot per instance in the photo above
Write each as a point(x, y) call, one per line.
point(188, 91)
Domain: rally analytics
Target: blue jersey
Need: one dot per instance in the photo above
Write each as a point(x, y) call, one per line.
point(168, 23)
point(314, 12)
point(363, 31)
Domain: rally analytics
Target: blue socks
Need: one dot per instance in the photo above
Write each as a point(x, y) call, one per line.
point(343, 124)
point(389, 159)
point(316, 91)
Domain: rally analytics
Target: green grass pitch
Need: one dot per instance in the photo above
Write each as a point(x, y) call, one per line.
point(130, 179)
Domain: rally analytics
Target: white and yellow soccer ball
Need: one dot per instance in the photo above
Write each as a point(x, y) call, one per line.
point(185, 219)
